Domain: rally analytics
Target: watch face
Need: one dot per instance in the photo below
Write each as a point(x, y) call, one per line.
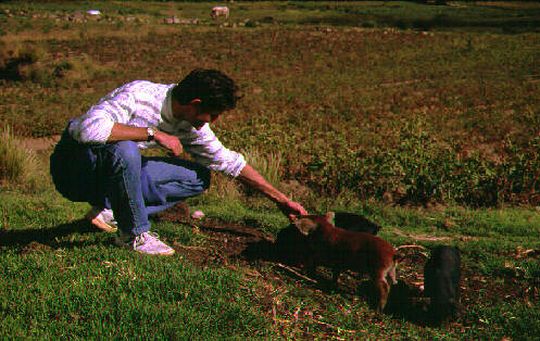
point(150, 131)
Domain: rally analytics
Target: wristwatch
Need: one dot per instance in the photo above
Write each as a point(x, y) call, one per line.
point(150, 132)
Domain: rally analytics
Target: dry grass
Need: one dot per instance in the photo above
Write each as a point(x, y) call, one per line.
point(334, 103)
point(19, 166)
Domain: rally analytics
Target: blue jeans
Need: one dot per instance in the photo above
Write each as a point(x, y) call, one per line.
point(116, 176)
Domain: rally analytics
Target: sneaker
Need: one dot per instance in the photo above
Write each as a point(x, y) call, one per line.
point(102, 218)
point(149, 243)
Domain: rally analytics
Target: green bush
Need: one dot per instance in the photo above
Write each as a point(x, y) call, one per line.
point(416, 167)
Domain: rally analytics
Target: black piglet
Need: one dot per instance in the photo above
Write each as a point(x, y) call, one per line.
point(441, 283)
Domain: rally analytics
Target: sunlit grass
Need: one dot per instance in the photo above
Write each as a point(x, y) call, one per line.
point(19, 166)
point(346, 105)
point(54, 264)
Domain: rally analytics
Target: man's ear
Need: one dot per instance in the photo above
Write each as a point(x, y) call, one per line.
point(305, 225)
point(195, 101)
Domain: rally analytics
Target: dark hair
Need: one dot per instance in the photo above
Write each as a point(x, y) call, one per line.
point(216, 90)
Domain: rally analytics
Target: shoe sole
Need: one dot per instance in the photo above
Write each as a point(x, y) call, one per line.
point(157, 254)
point(103, 226)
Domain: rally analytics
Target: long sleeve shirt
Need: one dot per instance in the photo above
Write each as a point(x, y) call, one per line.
point(144, 104)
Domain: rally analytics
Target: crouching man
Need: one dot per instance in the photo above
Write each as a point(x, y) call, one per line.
point(98, 161)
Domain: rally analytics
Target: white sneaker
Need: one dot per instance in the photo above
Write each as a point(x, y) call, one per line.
point(149, 243)
point(102, 218)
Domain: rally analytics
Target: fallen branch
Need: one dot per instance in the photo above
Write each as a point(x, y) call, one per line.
point(411, 246)
point(199, 248)
point(296, 273)
point(335, 327)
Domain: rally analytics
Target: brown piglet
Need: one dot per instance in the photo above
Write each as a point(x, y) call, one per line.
point(340, 249)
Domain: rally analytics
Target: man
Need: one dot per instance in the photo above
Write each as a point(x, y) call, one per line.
point(98, 161)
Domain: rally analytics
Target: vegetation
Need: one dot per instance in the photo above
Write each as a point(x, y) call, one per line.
point(19, 166)
point(421, 117)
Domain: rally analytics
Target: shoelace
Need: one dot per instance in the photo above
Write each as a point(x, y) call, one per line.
point(108, 216)
point(143, 237)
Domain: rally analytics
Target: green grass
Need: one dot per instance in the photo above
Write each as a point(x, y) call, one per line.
point(98, 292)
point(422, 118)
point(62, 279)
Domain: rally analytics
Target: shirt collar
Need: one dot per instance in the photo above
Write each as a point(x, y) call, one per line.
point(166, 110)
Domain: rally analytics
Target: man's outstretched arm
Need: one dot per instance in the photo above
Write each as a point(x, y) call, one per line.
point(253, 179)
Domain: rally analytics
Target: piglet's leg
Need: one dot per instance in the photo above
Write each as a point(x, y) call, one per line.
point(383, 288)
point(392, 273)
point(335, 276)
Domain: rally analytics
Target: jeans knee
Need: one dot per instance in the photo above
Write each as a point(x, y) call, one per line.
point(205, 176)
point(126, 151)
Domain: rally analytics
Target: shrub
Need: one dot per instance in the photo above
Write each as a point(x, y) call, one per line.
point(78, 68)
point(416, 167)
point(32, 62)
point(267, 164)
point(520, 172)
point(18, 165)
point(224, 187)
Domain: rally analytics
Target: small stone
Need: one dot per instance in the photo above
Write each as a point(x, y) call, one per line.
point(198, 215)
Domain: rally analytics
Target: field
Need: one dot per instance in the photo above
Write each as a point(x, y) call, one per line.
point(424, 118)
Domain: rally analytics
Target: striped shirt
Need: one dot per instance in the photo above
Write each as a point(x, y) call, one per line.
point(143, 104)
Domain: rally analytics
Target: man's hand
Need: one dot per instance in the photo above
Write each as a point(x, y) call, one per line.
point(169, 142)
point(292, 209)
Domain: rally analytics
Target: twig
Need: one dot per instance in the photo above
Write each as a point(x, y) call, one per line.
point(200, 248)
point(337, 328)
point(296, 273)
point(411, 246)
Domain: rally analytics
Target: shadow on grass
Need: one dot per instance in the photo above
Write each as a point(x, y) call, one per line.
point(404, 301)
point(51, 236)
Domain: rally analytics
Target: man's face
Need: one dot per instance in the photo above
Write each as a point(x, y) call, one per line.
point(198, 116)
point(203, 116)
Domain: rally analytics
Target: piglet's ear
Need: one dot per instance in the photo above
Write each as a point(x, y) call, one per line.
point(305, 226)
point(330, 217)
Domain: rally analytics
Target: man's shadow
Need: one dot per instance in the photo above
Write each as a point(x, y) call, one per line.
point(49, 236)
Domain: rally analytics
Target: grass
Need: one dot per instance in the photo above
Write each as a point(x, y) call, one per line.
point(18, 165)
point(60, 278)
point(422, 118)
point(447, 88)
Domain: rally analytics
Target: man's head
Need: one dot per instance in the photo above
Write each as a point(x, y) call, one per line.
point(203, 95)
point(215, 90)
